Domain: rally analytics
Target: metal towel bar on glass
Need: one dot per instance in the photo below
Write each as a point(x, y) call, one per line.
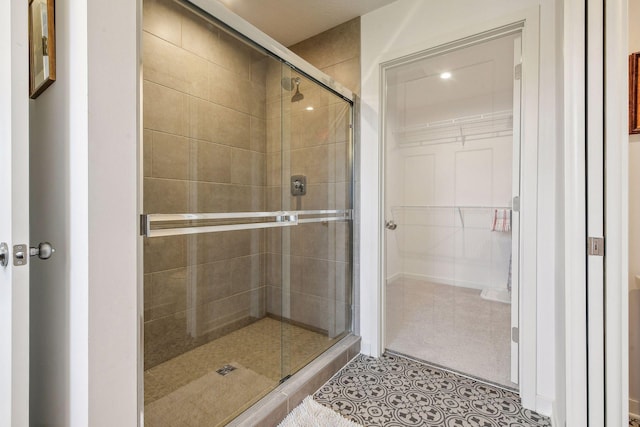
point(253, 220)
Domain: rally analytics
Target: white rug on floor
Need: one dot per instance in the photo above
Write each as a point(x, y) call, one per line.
point(312, 414)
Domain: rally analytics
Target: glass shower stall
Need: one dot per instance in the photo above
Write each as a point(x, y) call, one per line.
point(247, 217)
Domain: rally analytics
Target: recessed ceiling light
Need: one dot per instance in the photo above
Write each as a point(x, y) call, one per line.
point(309, 108)
point(446, 75)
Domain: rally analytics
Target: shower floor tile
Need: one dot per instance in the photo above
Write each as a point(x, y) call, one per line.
point(397, 391)
point(450, 326)
point(186, 390)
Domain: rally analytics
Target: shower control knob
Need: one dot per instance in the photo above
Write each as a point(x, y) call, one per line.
point(390, 225)
point(43, 251)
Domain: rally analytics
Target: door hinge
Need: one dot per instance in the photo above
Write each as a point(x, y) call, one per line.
point(515, 204)
point(517, 72)
point(596, 246)
point(515, 334)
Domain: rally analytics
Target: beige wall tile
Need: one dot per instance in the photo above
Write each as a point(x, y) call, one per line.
point(347, 73)
point(214, 123)
point(311, 128)
point(210, 162)
point(164, 109)
point(274, 168)
point(259, 65)
point(229, 89)
point(213, 281)
point(163, 18)
point(147, 151)
point(258, 135)
point(199, 36)
point(171, 66)
point(312, 162)
point(166, 196)
point(233, 54)
point(164, 253)
point(207, 248)
point(170, 158)
point(247, 167)
point(168, 294)
point(209, 197)
point(258, 101)
point(332, 46)
point(317, 197)
point(245, 273)
point(310, 310)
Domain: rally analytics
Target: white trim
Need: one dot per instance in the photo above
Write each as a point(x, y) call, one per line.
point(545, 405)
point(595, 210)
point(227, 17)
point(575, 363)
point(616, 214)
point(529, 191)
point(14, 213)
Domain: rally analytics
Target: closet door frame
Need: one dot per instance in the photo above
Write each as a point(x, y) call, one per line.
point(528, 23)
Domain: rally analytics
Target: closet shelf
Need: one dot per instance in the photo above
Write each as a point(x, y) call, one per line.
point(461, 129)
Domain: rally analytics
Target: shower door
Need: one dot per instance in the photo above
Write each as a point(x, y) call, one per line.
point(247, 219)
point(452, 181)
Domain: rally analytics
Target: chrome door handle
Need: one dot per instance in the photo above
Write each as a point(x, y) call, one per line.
point(391, 225)
point(4, 254)
point(43, 251)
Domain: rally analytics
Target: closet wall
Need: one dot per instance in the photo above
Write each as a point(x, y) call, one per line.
point(449, 163)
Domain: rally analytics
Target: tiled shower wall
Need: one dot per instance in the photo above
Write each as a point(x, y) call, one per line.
point(315, 144)
point(337, 53)
point(204, 144)
point(213, 115)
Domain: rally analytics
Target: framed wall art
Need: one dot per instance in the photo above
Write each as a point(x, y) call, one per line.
point(634, 93)
point(42, 46)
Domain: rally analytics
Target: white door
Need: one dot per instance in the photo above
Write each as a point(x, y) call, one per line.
point(595, 213)
point(14, 213)
point(515, 212)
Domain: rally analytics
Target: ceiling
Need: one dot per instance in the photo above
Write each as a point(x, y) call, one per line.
point(291, 21)
point(481, 82)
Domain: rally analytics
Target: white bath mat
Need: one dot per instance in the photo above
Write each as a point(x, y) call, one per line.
point(312, 414)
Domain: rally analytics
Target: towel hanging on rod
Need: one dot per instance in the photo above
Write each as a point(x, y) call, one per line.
point(501, 220)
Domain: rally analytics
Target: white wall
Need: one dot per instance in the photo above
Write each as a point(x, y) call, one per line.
point(84, 333)
point(634, 235)
point(432, 243)
point(409, 26)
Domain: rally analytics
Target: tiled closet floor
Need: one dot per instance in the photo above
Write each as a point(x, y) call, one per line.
point(450, 326)
point(397, 391)
point(187, 390)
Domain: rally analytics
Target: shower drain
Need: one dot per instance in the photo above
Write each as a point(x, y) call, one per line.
point(226, 369)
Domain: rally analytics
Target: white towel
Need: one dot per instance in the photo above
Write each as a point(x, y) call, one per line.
point(501, 220)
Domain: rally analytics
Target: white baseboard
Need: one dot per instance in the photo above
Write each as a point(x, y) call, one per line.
point(441, 281)
point(544, 405)
point(365, 348)
point(555, 422)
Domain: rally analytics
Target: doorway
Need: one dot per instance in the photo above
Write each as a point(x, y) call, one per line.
point(451, 204)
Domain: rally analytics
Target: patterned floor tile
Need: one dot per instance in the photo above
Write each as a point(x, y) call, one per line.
point(396, 391)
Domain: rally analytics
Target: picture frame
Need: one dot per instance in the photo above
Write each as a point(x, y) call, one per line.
point(42, 46)
point(634, 93)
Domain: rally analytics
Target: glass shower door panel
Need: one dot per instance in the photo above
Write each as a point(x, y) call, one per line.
point(211, 123)
point(317, 147)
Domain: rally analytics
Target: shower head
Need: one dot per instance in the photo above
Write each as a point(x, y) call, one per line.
point(297, 96)
point(288, 83)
